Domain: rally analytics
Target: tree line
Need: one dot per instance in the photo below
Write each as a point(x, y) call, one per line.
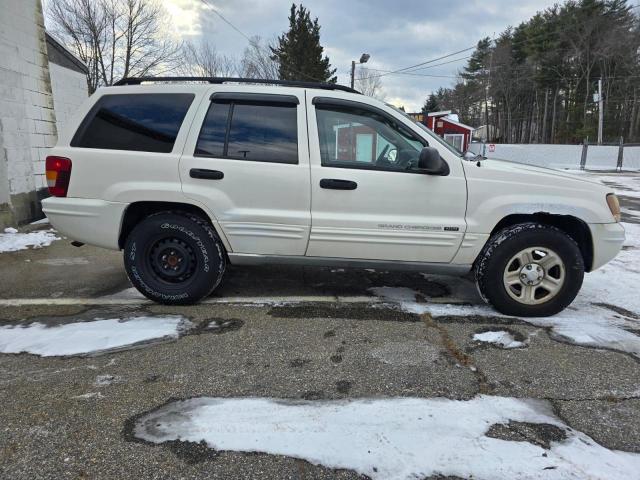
point(535, 83)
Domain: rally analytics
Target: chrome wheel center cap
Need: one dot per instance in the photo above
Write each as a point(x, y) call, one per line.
point(531, 274)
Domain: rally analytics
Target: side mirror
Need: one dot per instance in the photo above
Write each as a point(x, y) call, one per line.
point(431, 163)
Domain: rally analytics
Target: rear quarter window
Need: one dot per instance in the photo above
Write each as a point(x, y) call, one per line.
point(147, 122)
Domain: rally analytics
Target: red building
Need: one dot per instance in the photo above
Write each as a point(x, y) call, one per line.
point(447, 125)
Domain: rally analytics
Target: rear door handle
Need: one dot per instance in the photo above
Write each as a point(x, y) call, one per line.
point(206, 174)
point(337, 184)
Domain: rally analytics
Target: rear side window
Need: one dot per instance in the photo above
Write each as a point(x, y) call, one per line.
point(248, 130)
point(139, 122)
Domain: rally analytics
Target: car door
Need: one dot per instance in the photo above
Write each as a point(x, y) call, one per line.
point(368, 199)
point(247, 161)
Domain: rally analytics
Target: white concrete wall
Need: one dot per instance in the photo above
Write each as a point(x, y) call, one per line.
point(27, 118)
point(599, 157)
point(69, 91)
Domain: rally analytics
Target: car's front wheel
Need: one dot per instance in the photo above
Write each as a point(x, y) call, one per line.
point(174, 258)
point(530, 270)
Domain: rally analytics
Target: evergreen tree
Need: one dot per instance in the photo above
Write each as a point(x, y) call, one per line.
point(299, 52)
point(431, 105)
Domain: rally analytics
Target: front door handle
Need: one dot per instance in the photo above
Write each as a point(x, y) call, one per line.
point(206, 174)
point(337, 184)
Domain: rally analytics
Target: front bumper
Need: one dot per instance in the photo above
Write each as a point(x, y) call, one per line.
point(91, 221)
point(607, 242)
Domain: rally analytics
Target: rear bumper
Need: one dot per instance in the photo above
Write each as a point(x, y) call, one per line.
point(91, 221)
point(607, 242)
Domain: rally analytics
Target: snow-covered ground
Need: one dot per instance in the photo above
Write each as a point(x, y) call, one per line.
point(12, 240)
point(628, 185)
point(393, 438)
point(97, 336)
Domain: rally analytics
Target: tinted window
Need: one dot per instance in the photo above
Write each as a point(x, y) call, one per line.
point(139, 122)
point(360, 138)
point(258, 131)
point(214, 130)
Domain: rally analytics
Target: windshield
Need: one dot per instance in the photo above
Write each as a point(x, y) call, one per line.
point(447, 145)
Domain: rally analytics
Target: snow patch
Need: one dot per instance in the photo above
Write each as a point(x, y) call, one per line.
point(625, 185)
point(11, 240)
point(500, 338)
point(97, 336)
point(104, 380)
point(86, 396)
point(395, 438)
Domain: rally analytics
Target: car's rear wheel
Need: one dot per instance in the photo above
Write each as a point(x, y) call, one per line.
point(174, 258)
point(530, 270)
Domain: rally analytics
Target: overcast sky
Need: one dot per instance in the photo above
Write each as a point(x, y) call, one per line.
point(395, 33)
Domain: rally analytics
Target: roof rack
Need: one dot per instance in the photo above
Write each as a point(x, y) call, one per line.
point(219, 80)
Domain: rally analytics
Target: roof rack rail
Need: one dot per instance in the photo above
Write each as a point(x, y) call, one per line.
point(219, 80)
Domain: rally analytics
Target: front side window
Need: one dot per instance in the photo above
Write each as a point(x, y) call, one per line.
point(254, 131)
point(139, 122)
point(352, 137)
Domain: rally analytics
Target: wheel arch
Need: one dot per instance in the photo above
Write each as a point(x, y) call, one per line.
point(574, 227)
point(137, 211)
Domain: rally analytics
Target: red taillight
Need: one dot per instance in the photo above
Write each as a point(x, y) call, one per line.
point(58, 175)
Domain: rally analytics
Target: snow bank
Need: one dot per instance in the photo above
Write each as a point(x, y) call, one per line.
point(500, 338)
point(96, 336)
point(395, 438)
point(11, 240)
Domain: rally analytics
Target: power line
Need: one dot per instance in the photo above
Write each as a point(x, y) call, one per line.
point(404, 69)
point(224, 19)
point(404, 73)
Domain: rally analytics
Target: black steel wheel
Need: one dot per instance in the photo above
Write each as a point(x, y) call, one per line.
point(174, 258)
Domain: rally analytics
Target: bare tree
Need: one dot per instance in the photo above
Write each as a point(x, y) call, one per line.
point(115, 38)
point(257, 61)
point(369, 84)
point(204, 60)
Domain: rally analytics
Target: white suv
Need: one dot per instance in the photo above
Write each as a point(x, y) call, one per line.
point(188, 177)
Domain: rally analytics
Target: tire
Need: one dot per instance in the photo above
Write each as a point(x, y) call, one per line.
point(174, 258)
point(530, 270)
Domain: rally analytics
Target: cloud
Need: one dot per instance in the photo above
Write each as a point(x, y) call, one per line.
point(395, 34)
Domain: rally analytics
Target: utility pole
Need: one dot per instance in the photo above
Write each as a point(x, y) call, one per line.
point(353, 72)
point(600, 111)
point(364, 58)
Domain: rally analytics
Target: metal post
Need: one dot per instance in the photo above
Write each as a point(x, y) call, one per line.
point(353, 72)
point(600, 111)
point(620, 155)
point(583, 158)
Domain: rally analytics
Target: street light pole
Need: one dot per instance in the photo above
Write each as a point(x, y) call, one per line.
point(364, 58)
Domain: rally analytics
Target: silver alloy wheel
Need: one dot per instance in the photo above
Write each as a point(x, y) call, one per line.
point(534, 275)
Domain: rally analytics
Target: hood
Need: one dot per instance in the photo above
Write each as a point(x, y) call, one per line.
point(523, 168)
